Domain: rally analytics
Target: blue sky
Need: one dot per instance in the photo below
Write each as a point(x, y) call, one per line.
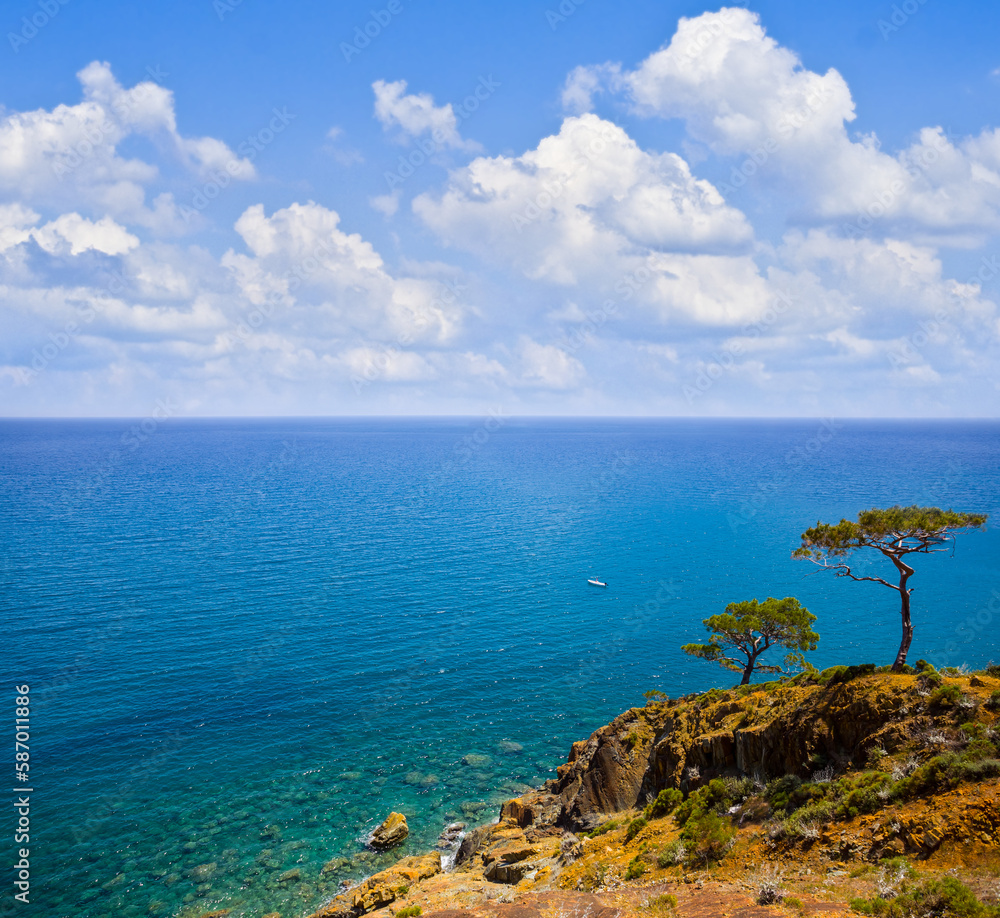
point(587, 208)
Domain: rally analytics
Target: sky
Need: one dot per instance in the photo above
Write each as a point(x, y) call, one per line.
point(540, 207)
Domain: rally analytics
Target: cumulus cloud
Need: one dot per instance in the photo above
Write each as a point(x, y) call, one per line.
point(69, 156)
point(744, 96)
point(416, 115)
point(588, 206)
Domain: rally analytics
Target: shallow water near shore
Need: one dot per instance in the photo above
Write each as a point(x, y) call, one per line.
point(248, 641)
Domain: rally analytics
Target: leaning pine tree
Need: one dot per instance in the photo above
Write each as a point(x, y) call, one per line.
point(896, 533)
point(747, 629)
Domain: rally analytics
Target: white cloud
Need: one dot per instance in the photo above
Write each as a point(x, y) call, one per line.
point(415, 115)
point(744, 96)
point(69, 156)
point(589, 207)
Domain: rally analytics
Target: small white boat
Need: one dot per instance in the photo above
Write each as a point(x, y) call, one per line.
point(595, 582)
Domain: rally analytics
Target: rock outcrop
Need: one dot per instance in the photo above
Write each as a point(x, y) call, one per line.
point(382, 888)
point(392, 832)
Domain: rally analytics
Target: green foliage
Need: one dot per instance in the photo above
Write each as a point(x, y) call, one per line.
point(993, 702)
point(636, 868)
point(708, 836)
point(604, 828)
point(409, 912)
point(655, 696)
point(402, 890)
point(749, 628)
point(666, 802)
point(779, 791)
point(713, 797)
point(848, 673)
point(634, 828)
point(859, 794)
point(944, 696)
point(945, 897)
point(671, 854)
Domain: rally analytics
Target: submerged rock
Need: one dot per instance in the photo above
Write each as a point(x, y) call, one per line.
point(475, 760)
point(392, 832)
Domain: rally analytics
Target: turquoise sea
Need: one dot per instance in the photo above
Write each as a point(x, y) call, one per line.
point(248, 641)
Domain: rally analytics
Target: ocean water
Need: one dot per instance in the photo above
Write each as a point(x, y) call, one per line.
point(248, 641)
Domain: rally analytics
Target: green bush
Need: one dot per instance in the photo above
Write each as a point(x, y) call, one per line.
point(604, 828)
point(944, 696)
point(666, 802)
point(847, 673)
point(779, 791)
point(859, 794)
point(634, 828)
point(993, 702)
point(671, 854)
point(636, 868)
point(409, 912)
point(708, 837)
point(713, 796)
point(944, 897)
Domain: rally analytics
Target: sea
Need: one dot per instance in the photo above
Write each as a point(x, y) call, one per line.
point(246, 642)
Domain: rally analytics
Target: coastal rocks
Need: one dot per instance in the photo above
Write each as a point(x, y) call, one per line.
point(391, 833)
point(451, 836)
point(499, 872)
point(475, 760)
point(381, 889)
point(509, 747)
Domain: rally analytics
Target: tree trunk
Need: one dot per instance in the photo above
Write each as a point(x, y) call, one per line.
point(747, 671)
point(904, 594)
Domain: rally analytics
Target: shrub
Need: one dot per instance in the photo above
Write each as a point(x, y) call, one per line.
point(847, 673)
point(634, 828)
point(409, 911)
point(666, 802)
point(594, 876)
point(636, 868)
point(604, 828)
point(944, 696)
point(671, 854)
point(713, 796)
point(708, 837)
point(860, 794)
point(993, 702)
point(779, 791)
point(946, 896)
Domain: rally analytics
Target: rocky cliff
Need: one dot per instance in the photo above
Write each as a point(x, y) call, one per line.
point(813, 773)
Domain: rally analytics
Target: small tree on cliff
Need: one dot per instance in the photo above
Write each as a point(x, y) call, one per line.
point(749, 628)
point(896, 533)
